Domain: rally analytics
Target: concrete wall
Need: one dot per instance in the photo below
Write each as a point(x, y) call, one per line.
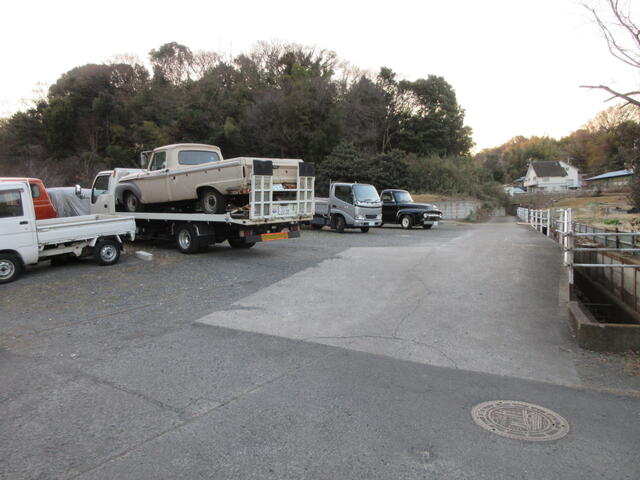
point(457, 209)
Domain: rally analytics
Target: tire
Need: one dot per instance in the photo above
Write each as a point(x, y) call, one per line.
point(187, 238)
point(427, 227)
point(212, 201)
point(132, 203)
point(316, 227)
point(240, 243)
point(106, 252)
point(10, 267)
point(340, 223)
point(364, 229)
point(406, 222)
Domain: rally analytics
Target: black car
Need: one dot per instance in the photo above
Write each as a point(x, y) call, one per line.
point(398, 207)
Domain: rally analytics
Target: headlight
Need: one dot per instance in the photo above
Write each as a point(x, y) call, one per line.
point(425, 214)
point(379, 217)
point(359, 217)
point(434, 207)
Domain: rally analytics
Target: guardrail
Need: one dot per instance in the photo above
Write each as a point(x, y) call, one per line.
point(598, 257)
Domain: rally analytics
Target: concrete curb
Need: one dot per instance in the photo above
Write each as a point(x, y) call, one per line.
point(591, 334)
point(601, 337)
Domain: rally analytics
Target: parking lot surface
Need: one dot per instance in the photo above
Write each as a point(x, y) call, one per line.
point(329, 356)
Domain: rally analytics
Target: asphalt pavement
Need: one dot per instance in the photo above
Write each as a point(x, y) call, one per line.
point(329, 356)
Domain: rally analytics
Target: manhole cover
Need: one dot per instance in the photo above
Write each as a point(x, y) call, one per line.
point(520, 420)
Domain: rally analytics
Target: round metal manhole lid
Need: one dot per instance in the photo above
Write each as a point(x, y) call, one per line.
point(520, 420)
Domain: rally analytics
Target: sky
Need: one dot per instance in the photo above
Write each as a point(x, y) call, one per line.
point(516, 65)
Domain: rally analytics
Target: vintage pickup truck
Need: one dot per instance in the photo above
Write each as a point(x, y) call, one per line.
point(398, 207)
point(195, 176)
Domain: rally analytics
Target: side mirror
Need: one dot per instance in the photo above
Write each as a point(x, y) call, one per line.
point(78, 191)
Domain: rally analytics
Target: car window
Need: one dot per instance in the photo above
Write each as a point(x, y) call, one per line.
point(197, 157)
point(100, 186)
point(343, 192)
point(159, 161)
point(403, 197)
point(387, 197)
point(11, 204)
point(35, 190)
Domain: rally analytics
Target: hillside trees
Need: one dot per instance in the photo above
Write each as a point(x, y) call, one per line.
point(278, 100)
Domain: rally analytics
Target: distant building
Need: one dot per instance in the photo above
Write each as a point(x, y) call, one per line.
point(551, 176)
point(611, 180)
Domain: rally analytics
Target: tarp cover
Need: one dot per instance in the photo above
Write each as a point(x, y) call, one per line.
point(67, 203)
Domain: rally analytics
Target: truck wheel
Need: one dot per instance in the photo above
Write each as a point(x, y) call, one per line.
point(212, 201)
point(427, 227)
point(106, 252)
point(187, 238)
point(240, 243)
point(364, 229)
point(10, 267)
point(316, 226)
point(340, 223)
point(132, 203)
point(406, 222)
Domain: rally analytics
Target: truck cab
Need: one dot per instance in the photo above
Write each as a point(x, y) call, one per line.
point(350, 205)
point(41, 202)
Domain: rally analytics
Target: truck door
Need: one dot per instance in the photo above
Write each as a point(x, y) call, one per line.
point(389, 207)
point(342, 201)
point(102, 199)
point(18, 223)
point(154, 187)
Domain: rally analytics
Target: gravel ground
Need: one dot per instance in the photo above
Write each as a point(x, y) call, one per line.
point(182, 367)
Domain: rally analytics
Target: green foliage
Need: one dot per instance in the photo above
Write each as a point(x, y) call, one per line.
point(59, 121)
point(279, 100)
point(612, 221)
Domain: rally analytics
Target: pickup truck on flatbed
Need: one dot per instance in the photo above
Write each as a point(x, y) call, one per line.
point(26, 241)
point(269, 215)
point(195, 177)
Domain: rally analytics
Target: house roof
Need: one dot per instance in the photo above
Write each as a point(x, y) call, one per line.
point(616, 173)
point(548, 169)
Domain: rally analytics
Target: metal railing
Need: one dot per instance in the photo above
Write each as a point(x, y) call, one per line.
point(596, 250)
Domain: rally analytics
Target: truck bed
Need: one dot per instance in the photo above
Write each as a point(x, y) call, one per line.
point(61, 230)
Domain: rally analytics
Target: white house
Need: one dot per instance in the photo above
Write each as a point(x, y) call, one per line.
point(551, 176)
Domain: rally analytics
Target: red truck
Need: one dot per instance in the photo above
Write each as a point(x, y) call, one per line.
point(42, 203)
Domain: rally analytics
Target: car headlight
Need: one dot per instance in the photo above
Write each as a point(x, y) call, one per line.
point(434, 207)
point(379, 217)
point(359, 217)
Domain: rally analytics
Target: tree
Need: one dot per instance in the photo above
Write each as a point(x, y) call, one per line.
point(172, 63)
point(622, 35)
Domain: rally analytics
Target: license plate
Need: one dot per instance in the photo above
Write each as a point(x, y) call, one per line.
point(284, 210)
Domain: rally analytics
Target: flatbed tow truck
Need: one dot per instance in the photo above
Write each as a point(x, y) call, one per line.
point(272, 213)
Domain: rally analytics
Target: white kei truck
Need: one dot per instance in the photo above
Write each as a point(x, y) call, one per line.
point(274, 211)
point(27, 241)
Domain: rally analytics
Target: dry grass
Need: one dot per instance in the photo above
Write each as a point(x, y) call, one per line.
point(596, 210)
point(432, 197)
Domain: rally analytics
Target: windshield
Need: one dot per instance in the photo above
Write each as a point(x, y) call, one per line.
point(403, 197)
point(365, 193)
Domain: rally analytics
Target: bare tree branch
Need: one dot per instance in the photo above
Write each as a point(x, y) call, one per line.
point(615, 94)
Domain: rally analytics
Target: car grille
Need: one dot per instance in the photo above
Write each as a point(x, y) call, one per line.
point(372, 216)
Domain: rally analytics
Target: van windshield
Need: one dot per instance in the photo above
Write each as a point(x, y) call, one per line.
point(365, 193)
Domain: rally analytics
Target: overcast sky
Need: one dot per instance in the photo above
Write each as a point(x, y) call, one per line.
point(515, 65)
